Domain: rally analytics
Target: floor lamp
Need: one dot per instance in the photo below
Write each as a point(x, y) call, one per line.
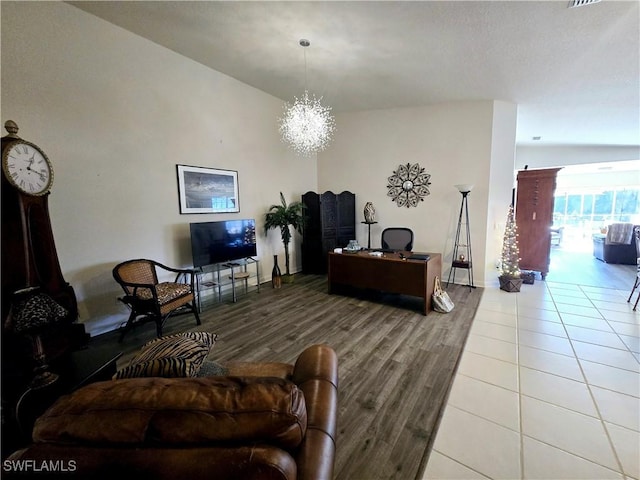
point(462, 247)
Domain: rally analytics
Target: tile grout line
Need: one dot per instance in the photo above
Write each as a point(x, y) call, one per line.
point(618, 335)
point(455, 460)
point(592, 396)
point(520, 421)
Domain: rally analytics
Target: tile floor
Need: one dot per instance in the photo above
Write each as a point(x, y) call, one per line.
point(548, 387)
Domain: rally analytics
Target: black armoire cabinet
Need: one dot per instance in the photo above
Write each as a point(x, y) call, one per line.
point(331, 223)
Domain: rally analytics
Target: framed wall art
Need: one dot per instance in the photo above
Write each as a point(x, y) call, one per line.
point(207, 190)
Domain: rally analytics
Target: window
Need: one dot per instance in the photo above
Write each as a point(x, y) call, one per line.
point(594, 209)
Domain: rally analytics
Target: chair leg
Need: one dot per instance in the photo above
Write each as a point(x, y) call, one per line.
point(195, 312)
point(128, 326)
point(635, 285)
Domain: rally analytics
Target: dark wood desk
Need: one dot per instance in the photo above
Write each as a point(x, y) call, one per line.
point(388, 273)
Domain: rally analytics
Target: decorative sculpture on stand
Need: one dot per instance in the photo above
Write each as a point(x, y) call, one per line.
point(369, 219)
point(369, 213)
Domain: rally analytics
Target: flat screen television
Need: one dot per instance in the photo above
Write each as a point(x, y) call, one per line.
point(223, 241)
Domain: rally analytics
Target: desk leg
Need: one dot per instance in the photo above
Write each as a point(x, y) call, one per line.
point(434, 269)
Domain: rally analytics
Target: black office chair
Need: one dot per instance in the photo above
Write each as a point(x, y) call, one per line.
point(397, 238)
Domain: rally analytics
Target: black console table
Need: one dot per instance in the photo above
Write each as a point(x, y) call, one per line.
point(75, 370)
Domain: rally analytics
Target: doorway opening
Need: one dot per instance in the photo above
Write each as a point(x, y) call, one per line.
point(589, 198)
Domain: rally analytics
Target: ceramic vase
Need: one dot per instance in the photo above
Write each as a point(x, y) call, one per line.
point(276, 274)
point(369, 213)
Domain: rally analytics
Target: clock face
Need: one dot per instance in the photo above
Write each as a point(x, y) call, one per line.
point(27, 168)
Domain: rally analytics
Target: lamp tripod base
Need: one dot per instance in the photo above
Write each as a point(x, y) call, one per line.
point(43, 377)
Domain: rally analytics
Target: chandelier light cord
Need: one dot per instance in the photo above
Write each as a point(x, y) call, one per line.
point(305, 43)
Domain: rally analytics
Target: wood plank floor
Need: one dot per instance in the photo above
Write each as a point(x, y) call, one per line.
point(395, 364)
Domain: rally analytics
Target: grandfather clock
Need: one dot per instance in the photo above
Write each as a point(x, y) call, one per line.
point(29, 256)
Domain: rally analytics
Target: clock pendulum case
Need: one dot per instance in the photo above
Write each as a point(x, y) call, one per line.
point(29, 257)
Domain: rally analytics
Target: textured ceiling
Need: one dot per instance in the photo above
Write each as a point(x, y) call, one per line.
point(574, 72)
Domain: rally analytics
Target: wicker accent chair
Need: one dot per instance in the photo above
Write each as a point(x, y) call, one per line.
point(151, 300)
point(397, 238)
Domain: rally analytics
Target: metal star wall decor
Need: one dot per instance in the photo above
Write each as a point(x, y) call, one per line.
point(408, 185)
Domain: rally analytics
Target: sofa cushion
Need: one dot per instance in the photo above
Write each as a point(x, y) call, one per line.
point(178, 355)
point(178, 411)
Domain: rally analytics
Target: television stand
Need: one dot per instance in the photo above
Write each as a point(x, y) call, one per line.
point(213, 278)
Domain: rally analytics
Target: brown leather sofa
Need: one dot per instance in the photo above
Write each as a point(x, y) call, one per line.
point(261, 421)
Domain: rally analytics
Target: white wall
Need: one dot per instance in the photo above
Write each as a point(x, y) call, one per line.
point(599, 177)
point(560, 156)
point(453, 142)
point(115, 113)
point(501, 183)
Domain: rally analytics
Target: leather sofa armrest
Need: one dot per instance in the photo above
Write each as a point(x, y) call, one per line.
point(317, 361)
point(316, 374)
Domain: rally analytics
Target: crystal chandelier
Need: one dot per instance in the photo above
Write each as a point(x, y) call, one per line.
point(307, 125)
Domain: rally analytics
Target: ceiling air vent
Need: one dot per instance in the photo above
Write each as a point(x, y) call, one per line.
point(581, 3)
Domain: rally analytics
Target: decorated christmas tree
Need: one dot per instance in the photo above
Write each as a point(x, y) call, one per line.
point(250, 234)
point(509, 268)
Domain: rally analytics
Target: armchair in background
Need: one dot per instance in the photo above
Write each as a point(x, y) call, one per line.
point(556, 235)
point(617, 245)
point(153, 300)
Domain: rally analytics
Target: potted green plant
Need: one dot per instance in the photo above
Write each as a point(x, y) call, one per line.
point(510, 280)
point(284, 216)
